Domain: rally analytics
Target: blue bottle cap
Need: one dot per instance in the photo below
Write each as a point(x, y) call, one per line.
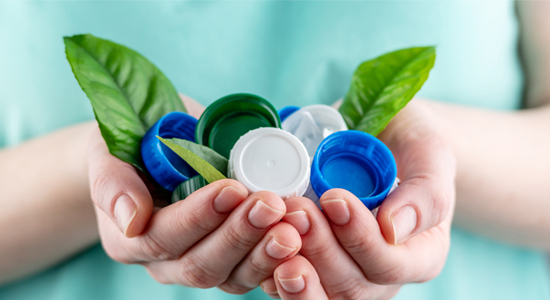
point(357, 162)
point(287, 111)
point(165, 166)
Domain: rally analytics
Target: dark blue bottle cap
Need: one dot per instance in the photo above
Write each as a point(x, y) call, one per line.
point(165, 166)
point(357, 162)
point(287, 111)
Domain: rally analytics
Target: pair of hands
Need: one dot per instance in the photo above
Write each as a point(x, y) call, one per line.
point(222, 236)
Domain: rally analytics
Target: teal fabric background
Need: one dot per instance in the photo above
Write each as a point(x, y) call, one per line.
point(289, 52)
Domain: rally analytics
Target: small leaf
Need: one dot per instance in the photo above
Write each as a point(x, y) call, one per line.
point(128, 93)
point(381, 87)
point(209, 155)
point(200, 165)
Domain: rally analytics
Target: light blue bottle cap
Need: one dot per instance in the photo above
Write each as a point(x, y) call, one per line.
point(287, 111)
point(165, 166)
point(357, 162)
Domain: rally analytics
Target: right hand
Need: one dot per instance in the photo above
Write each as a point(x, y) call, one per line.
point(220, 236)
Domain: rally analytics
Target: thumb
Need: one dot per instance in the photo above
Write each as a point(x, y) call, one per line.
point(426, 196)
point(117, 188)
point(427, 168)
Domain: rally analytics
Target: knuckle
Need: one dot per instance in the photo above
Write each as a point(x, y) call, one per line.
point(257, 267)
point(238, 239)
point(361, 244)
point(441, 204)
point(155, 250)
point(99, 183)
point(192, 221)
point(349, 289)
point(195, 274)
point(318, 251)
point(102, 180)
point(393, 275)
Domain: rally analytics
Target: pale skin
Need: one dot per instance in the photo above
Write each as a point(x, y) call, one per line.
point(501, 166)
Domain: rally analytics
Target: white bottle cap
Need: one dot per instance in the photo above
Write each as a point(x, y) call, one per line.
point(270, 159)
point(311, 124)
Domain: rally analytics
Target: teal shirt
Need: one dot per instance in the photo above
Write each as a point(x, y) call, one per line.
point(295, 53)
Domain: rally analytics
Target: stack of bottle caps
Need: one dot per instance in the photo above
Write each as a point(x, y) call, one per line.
point(293, 152)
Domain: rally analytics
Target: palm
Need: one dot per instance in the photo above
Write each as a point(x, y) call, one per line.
point(359, 256)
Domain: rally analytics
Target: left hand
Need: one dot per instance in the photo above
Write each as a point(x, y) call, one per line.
point(350, 253)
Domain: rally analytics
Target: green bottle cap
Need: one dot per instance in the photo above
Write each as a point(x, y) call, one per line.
point(229, 118)
point(188, 187)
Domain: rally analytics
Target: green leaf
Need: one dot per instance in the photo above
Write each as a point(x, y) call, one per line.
point(209, 155)
point(128, 93)
point(196, 162)
point(381, 87)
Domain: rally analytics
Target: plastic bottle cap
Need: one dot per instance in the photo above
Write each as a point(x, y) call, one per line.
point(270, 159)
point(165, 166)
point(287, 111)
point(355, 161)
point(188, 187)
point(227, 119)
point(313, 123)
point(310, 193)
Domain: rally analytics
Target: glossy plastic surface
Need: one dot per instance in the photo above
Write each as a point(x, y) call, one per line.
point(313, 123)
point(270, 159)
point(188, 187)
point(165, 166)
point(355, 161)
point(287, 111)
point(229, 118)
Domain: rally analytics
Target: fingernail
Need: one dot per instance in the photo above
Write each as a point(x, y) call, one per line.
point(228, 198)
point(293, 285)
point(125, 210)
point(278, 251)
point(337, 211)
point(403, 223)
point(299, 220)
point(262, 215)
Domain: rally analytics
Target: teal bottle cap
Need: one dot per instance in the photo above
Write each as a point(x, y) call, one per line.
point(226, 120)
point(188, 187)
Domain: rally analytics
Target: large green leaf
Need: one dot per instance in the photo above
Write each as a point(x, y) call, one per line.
point(381, 87)
point(202, 167)
point(209, 155)
point(128, 93)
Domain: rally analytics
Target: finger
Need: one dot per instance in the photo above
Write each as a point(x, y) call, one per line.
point(177, 227)
point(419, 259)
point(427, 168)
point(210, 262)
point(340, 275)
point(297, 279)
point(279, 244)
point(269, 287)
point(117, 189)
point(417, 205)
